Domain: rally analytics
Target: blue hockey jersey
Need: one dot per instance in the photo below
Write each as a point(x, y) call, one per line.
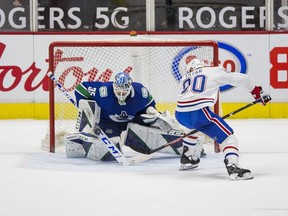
point(114, 116)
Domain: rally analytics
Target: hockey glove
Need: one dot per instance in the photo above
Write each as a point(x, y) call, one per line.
point(258, 93)
point(163, 121)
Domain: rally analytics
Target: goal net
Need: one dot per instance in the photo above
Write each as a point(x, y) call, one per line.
point(158, 64)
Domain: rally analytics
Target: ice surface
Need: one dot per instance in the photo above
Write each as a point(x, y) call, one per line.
point(37, 183)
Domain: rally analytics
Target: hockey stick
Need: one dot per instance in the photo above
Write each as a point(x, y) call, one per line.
point(117, 154)
point(195, 131)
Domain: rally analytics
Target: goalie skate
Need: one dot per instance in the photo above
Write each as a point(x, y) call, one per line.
point(237, 173)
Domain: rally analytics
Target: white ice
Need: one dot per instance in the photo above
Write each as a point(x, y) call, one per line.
point(34, 182)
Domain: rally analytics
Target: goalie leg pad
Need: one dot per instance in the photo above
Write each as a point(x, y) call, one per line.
point(77, 145)
point(81, 145)
point(143, 139)
point(99, 152)
point(88, 115)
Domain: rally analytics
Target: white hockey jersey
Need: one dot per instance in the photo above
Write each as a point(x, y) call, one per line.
point(200, 88)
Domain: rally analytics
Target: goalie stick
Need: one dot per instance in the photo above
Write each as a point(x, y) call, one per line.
point(117, 154)
point(195, 131)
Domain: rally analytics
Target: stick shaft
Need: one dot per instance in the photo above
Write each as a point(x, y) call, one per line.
point(195, 131)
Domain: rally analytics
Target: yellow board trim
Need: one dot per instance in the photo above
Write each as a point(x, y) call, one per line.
point(41, 110)
point(24, 111)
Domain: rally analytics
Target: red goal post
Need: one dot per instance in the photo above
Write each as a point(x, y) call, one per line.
point(156, 63)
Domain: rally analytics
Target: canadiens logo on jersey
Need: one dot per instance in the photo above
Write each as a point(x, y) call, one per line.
point(123, 117)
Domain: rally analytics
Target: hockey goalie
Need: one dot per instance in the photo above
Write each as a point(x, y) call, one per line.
point(125, 111)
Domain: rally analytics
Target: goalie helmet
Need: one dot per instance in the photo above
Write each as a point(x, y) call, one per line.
point(122, 86)
point(194, 65)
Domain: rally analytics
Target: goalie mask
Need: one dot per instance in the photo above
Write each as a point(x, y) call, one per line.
point(194, 65)
point(122, 86)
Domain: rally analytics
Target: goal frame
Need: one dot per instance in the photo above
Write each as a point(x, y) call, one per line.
point(120, 43)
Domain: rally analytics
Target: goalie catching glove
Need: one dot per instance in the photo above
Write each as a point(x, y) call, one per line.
point(163, 121)
point(258, 93)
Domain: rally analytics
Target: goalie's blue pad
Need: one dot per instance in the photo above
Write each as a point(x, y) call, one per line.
point(143, 139)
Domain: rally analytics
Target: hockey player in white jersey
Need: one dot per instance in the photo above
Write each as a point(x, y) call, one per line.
point(198, 92)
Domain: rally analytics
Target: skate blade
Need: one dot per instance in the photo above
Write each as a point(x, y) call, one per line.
point(246, 176)
point(184, 167)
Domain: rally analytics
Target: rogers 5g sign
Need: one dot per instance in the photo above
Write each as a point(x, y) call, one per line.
point(103, 20)
point(66, 19)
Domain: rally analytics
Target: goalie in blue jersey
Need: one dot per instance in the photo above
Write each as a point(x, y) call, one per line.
point(126, 112)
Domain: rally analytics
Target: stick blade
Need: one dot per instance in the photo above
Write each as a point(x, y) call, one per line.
point(138, 159)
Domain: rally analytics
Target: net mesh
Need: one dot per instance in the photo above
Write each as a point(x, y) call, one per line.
point(157, 64)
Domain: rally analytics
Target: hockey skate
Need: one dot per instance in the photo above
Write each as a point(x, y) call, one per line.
point(188, 162)
point(237, 173)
